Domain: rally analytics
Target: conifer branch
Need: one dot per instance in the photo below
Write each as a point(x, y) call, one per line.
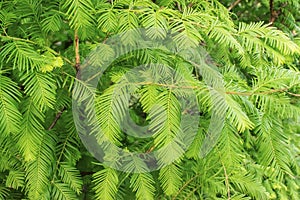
point(227, 92)
point(34, 43)
point(32, 86)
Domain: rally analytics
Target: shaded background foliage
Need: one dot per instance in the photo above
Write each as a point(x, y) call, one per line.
point(257, 154)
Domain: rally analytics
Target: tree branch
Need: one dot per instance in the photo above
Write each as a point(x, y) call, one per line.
point(293, 94)
point(34, 43)
point(77, 55)
point(179, 7)
point(58, 115)
point(234, 4)
point(274, 14)
point(271, 91)
point(77, 67)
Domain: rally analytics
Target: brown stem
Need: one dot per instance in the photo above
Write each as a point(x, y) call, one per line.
point(151, 149)
point(293, 94)
point(77, 67)
point(58, 115)
point(178, 7)
point(190, 5)
point(272, 12)
point(77, 55)
point(234, 4)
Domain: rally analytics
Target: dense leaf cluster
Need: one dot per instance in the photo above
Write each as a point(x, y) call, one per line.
point(257, 153)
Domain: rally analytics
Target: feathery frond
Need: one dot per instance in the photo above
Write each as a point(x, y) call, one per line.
point(10, 117)
point(106, 183)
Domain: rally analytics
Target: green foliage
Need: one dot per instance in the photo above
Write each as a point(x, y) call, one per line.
point(255, 157)
point(106, 183)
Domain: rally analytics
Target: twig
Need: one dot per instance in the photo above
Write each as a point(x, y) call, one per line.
point(58, 115)
point(261, 93)
point(185, 185)
point(226, 181)
point(18, 39)
point(293, 94)
point(274, 14)
point(192, 192)
point(227, 185)
point(271, 91)
point(77, 55)
point(227, 92)
point(234, 4)
point(77, 66)
point(178, 7)
point(150, 149)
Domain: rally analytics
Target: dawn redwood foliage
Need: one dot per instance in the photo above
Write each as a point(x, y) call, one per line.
point(255, 45)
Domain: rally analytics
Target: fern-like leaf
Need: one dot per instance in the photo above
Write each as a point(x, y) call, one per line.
point(37, 171)
point(10, 117)
point(170, 177)
point(71, 176)
point(79, 12)
point(22, 55)
point(42, 89)
point(32, 129)
point(62, 191)
point(106, 184)
point(143, 185)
